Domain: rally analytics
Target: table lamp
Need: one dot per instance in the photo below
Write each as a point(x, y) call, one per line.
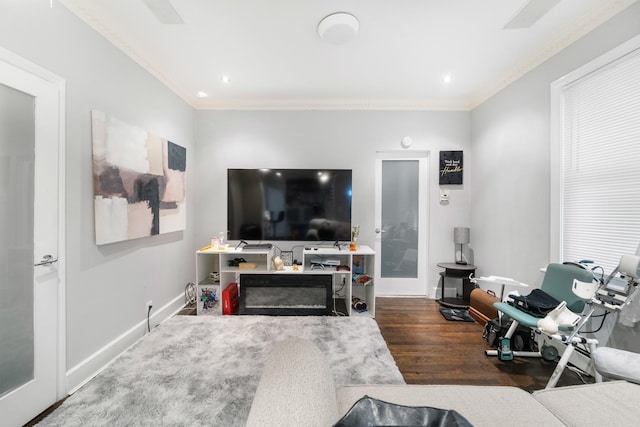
point(461, 237)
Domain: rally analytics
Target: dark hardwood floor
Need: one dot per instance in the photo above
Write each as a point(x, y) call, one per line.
point(431, 350)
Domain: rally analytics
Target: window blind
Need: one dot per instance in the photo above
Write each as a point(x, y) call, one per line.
point(601, 164)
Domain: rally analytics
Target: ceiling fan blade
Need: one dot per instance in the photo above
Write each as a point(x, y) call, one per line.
point(530, 13)
point(164, 11)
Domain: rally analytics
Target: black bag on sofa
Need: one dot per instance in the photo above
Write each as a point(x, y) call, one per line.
point(368, 411)
point(538, 303)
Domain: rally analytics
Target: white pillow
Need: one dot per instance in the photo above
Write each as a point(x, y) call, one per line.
point(617, 364)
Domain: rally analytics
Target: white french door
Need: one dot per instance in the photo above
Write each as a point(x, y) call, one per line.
point(401, 222)
point(31, 369)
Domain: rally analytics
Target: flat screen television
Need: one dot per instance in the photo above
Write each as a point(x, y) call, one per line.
point(289, 204)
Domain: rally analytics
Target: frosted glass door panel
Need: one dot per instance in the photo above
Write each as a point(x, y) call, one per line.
point(17, 145)
point(400, 228)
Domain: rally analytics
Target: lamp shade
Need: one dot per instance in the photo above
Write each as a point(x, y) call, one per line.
point(461, 235)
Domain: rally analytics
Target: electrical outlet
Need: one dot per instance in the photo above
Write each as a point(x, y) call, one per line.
point(149, 304)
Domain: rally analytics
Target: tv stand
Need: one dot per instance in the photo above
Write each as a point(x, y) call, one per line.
point(350, 274)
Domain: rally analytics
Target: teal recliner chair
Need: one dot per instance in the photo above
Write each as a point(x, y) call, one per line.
point(558, 282)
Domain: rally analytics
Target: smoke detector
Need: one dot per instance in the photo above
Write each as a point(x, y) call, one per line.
point(338, 28)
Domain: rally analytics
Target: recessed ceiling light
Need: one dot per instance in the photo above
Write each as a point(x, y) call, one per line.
point(225, 79)
point(202, 94)
point(446, 78)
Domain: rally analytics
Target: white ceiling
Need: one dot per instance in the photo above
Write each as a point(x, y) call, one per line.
point(271, 51)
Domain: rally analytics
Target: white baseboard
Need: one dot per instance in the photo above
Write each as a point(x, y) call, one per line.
point(84, 371)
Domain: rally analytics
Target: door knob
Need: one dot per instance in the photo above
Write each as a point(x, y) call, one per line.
point(46, 260)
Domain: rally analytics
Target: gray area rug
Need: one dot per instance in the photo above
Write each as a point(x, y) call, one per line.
point(204, 370)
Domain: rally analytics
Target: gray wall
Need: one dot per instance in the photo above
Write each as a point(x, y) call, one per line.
point(331, 139)
point(511, 135)
point(108, 286)
point(511, 193)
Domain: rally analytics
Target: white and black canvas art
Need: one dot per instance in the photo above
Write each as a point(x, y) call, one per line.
point(139, 181)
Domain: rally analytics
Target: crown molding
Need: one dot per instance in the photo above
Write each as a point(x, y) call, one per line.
point(311, 104)
point(86, 13)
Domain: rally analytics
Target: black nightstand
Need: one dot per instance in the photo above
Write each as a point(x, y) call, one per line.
point(457, 271)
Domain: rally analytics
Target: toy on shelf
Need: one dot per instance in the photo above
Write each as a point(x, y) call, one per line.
point(358, 264)
point(208, 298)
point(362, 279)
point(358, 305)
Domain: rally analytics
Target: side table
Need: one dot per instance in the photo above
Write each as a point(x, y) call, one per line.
point(457, 271)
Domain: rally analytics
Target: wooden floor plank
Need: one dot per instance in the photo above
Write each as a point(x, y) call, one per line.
point(431, 350)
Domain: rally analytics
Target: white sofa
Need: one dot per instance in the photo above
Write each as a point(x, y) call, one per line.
point(297, 389)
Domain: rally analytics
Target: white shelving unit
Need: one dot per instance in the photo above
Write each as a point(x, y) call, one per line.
point(353, 268)
point(210, 261)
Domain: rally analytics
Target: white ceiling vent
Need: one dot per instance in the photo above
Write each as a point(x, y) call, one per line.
point(530, 13)
point(164, 11)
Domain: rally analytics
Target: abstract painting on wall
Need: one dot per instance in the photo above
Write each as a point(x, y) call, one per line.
point(139, 181)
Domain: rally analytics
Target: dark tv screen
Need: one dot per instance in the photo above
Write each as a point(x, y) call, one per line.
point(289, 204)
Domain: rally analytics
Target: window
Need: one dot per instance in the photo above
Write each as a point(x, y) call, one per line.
point(596, 211)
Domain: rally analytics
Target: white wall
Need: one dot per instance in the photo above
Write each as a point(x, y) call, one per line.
point(511, 178)
point(108, 286)
point(331, 139)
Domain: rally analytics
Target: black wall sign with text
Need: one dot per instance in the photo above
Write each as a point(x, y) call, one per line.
point(451, 167)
